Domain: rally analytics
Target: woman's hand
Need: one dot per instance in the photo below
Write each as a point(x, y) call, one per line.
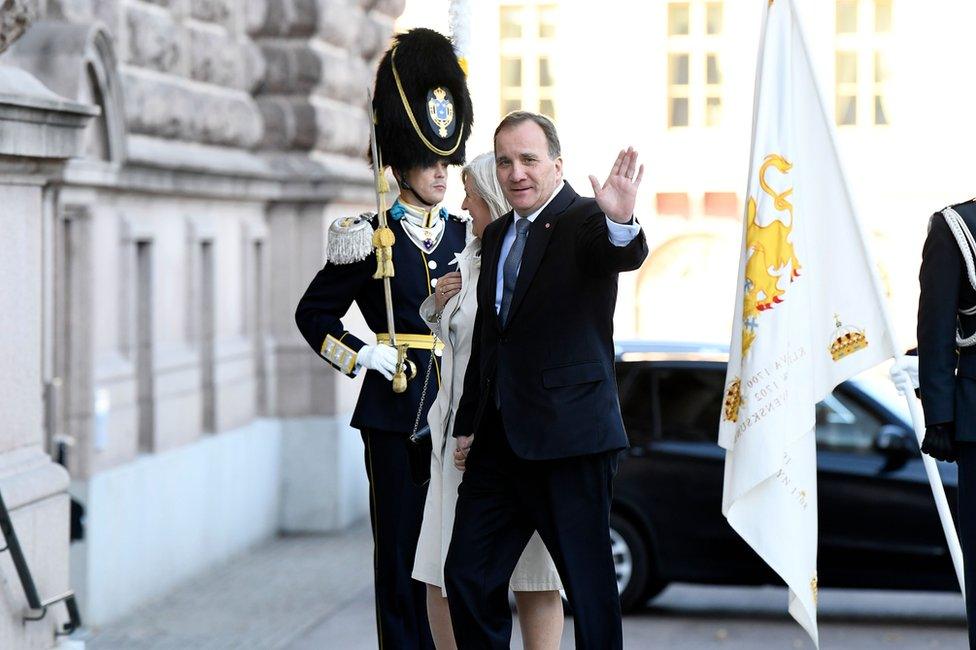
point(461, 453)
point(447, 286)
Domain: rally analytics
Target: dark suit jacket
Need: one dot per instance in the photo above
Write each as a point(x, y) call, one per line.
point(947, 377)
point(552, 364)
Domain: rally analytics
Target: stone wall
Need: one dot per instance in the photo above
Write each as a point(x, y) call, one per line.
point(175, 247)
point(320, 60)
point(283, 75)
point(15, 16)
point(39, 130)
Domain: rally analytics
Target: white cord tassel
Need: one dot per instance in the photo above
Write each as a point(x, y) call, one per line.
point(967, 246)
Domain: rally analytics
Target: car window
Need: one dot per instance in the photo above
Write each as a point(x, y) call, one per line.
point(636, 390)
point(690, 403)
point(843, 424)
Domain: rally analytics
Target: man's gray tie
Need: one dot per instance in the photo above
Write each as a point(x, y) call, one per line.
point(512, 262)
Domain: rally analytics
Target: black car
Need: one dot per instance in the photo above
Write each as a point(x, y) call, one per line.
point(879, 527)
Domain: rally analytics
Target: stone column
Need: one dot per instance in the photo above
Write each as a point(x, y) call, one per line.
point(320, 59)
point(38, 131)
point(323, 480)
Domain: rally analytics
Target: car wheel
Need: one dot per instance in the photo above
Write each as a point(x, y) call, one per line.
point(631, 561)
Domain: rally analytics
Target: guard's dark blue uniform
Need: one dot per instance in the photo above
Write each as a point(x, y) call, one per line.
point(947, 374)
point(386, 418)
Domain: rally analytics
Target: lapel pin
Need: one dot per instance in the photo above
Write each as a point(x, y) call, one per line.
point(548, 224)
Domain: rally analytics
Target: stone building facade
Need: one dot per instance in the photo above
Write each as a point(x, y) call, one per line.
point(172, 213)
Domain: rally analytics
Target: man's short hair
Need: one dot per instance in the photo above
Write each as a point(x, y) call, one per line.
point(548, 128)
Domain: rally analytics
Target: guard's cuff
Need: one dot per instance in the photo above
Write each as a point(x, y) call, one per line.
point(339, 354)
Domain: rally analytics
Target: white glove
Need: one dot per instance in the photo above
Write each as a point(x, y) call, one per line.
point(904, 372)
point(381, 358)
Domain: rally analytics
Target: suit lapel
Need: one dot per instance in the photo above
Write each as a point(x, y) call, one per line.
point(489, 261)
point(535, 246)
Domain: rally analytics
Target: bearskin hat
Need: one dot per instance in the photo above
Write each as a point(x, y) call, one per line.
point(421, 102)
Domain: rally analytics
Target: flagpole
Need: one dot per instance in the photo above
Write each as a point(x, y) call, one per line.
point(918, 423)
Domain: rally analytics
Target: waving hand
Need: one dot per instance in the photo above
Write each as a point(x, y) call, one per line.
point(617, 195)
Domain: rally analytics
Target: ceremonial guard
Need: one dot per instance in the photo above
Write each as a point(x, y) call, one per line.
point(388, 264)
point(947, 366)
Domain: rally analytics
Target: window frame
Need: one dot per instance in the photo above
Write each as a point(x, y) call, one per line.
point(868, 45)
point(698, 45)
point(530, 48)
point(654, 432)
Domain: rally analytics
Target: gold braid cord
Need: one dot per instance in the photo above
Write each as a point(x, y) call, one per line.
point(383, 237)
point(383, 240)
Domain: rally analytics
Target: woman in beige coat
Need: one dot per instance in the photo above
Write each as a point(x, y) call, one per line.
point(450, 314)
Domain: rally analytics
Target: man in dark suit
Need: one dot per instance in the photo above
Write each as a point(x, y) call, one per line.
point(947, 369)
point(540, 397)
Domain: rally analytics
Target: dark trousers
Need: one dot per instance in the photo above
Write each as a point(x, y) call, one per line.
point(396, 508)
point(501, 501)
point(966, 522)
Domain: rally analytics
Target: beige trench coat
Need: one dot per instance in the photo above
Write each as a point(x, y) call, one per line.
point(535, 570)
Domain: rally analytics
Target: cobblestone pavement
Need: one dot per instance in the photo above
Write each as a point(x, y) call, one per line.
point(718, 618)
point(315, 593)
point(263, 599)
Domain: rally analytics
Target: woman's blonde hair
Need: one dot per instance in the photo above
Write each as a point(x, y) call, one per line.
point(482, 172)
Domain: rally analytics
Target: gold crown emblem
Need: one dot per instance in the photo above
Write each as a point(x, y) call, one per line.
point(440, 110)
point(846, 340)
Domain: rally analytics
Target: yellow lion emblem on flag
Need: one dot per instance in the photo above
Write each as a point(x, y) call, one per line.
point(770, 255)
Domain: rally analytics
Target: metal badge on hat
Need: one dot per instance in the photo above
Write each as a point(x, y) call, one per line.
point(440, 111)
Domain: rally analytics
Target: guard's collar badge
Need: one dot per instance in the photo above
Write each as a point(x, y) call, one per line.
point(424, 228)
point(440, 111)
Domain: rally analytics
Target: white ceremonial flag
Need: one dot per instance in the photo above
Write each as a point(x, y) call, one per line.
point(808, 314)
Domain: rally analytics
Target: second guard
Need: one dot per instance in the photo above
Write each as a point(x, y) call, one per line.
point(947, 366)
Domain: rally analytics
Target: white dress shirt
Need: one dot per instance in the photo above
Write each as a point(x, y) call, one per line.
point(621, 234)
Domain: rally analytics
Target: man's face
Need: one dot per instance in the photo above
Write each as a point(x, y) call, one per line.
point(525, 171)
point(430, 182)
